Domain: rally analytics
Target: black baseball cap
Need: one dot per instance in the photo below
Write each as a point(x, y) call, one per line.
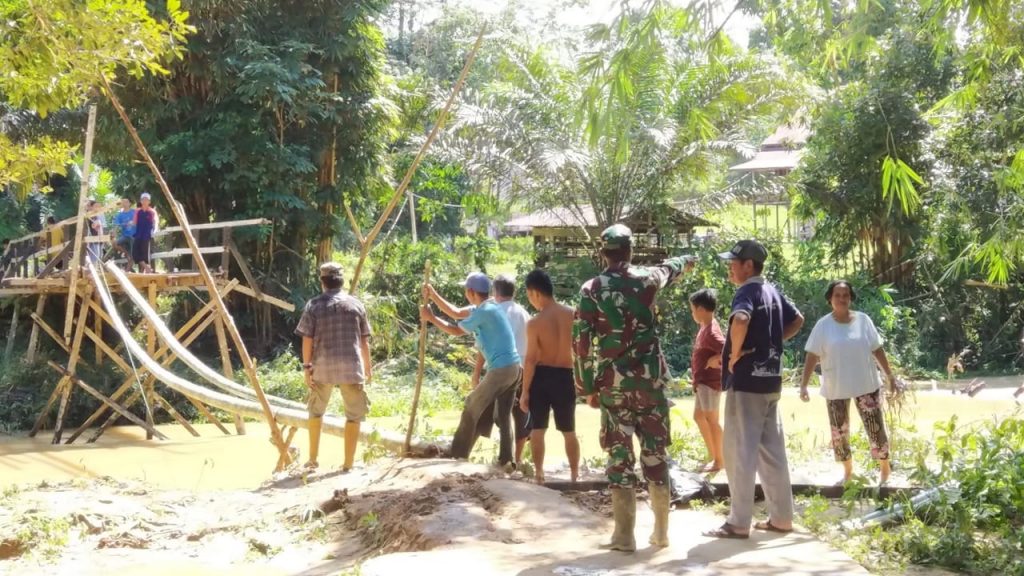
point(746, 250)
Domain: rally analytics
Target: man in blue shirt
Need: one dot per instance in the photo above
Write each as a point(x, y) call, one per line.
point(124, 221)
point(753, 441)
point(494, 396)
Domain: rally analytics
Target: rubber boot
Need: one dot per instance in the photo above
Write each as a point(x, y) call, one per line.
point(660, 503)
point(624, 511)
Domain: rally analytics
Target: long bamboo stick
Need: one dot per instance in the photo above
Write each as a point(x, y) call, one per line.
point(83, 198)
point(420, 368)
point(400, 191)
point(204, 271)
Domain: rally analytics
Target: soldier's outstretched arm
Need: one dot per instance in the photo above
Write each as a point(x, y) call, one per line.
point(671, 269)
point(583, 330)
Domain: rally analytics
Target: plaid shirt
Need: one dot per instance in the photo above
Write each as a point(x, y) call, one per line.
point(337, 324)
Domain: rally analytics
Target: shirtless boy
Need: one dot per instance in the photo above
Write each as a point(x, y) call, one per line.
point(547, 375)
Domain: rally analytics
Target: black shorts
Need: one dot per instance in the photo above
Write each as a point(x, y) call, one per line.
point(140, 250)
point(553, 389)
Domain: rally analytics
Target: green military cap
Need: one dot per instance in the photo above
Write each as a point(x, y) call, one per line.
point(331, 270)
point(617, 236)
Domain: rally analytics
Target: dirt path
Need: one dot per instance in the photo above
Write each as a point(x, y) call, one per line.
point(389, 518)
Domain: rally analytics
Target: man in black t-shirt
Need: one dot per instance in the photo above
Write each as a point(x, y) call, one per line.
point(753, 442)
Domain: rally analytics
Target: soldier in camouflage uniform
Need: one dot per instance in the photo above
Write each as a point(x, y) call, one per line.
point(619, 367)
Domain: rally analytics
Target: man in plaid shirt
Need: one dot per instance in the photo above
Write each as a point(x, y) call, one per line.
point(335, 353)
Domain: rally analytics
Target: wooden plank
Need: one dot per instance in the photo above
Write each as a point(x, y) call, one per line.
point(99, 396)
point(33, 339)
point(113, 417)
point(125, 387)
point(52, 264)
point(50, 332)
point(57, 390)
point(225, 256)
point(105, 348)
point(174, 414)
point(288, 442)
point(229, 371)
point(266, 298)
point(179, 252)
point(244, 266)
point(76, 257)
point(208, 415)
point(73, 357)
point(215, 226)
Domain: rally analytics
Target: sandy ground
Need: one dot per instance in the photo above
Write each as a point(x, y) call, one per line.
point(389, 518)
point(202, 506)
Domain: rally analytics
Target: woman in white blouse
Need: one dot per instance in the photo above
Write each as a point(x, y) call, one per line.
point(848, 346)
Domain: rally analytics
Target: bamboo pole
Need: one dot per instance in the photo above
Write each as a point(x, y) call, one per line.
point(355, 224)
point(33, 339)
point(98, 330)
point(106, 401)
point(412, 217)
point(400, 191)
point(204, 271)
point(420, 368)
point(74, 357)
point(229, 371)
point(9, 349)
point(83, 198)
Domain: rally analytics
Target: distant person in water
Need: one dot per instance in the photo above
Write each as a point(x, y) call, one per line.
point(146, 223)
point(548, 384)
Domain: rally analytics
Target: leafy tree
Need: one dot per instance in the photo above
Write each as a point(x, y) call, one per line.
point(277, 111)
point(53, 55)
point(875, 123)
point(647, 113)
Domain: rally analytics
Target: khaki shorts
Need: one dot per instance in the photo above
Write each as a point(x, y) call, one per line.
point(353, 397)
point(708, 398)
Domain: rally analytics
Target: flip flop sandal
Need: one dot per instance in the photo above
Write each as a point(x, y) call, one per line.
point(767, 526)
point(726, 531)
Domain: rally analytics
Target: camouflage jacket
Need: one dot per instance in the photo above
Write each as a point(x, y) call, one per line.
point(615, 338)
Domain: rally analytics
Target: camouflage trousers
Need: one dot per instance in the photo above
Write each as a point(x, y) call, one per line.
point(646, 415)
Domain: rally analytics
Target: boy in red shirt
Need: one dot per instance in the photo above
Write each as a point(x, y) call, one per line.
point(706, 370)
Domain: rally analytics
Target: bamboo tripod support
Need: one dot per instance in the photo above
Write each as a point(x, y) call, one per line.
point(250, 368)
point(420, 368)
point(367, 243)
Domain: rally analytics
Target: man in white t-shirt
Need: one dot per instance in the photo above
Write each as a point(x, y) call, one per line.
point(504, 295)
